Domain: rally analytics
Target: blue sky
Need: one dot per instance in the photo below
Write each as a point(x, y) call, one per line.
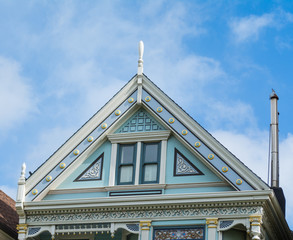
point(60, 61)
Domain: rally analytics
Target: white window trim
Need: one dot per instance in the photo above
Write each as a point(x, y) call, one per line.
point(138, 137)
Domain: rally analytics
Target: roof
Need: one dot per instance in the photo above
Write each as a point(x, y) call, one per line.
point(8, 215)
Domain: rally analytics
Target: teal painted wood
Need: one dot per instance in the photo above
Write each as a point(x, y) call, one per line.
point(208, 176)
point(178, 222)
point(69, 182)
point(141, 121)
point(198, 190)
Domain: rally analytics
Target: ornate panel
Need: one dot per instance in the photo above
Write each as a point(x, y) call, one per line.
point(183, 167)
point(93, 172)
point(141, 121)
point(179, 233)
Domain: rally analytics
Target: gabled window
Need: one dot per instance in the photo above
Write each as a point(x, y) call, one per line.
point(150, 162)
point(138, 158)
point(126, 163)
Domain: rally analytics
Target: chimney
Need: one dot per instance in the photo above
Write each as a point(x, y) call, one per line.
point(274, 140)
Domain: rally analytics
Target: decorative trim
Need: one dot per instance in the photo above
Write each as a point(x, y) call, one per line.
point(22, 228)
point(138, 187)
point(140, 212)
point(139, 136)
point(179, 232)
point(196, 171)
point(48, 178)
point(90, 171)
point(145, 225)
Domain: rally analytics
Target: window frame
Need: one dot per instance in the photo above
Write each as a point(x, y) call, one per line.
point(143, 163)
point(119, 164)
point(137, 138)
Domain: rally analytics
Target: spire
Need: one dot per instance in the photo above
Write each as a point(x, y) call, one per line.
point(140, 61)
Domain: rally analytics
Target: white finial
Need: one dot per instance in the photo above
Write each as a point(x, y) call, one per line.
point(23, 170)
point(140, 61)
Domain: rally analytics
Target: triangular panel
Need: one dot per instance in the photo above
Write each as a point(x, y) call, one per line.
point(93, 172)
point(141, 121)
point(183, 167)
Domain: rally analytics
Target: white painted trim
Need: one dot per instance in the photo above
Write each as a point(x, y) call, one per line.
point(139, 136)
point(113, 164)
point(208, 198)
point(163, 162)
point(138, 187)
point(138, 160)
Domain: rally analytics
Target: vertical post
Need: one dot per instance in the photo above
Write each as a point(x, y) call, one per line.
point(255, 224)
point(137, 166)
point(113, 164)
point(140, 71)
point(212, 224)
point(163, 161)
point(145, 229)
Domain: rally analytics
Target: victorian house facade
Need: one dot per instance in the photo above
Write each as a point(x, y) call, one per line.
point(142, 169)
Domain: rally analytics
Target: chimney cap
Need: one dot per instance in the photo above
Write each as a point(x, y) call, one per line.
point(274, 95)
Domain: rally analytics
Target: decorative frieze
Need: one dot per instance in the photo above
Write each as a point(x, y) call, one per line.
point(143, 212)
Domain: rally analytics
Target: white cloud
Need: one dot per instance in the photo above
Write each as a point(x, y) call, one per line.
point(16, 95)
point(47, 143)
point(248, 28)
point(253, 148)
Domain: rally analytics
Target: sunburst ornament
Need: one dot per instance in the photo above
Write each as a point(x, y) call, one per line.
point(34, 192)
point(159, 109)
point(130, 100)
point(147, 99)
point(90, 139)
point(117, 112)
point(62, 165)
point(171, 120)
point(76, 152)
point(48, 178)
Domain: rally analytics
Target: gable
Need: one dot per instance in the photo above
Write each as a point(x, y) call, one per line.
point(165, 118)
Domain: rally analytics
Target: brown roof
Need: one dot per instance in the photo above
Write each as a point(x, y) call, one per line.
point(8, 215)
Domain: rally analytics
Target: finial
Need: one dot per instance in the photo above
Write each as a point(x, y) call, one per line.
point(23, 171)
point(140, 61)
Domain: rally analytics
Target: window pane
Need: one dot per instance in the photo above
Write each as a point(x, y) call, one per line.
point(127, 152)
point(151, 152)
point(150, 173)
point(126, 174)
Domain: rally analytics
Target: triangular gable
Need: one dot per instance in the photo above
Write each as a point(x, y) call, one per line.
point(141, 121)
point(183, 167)
point(190, 132)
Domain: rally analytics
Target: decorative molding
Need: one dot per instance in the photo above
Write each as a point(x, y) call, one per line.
point(22, 228)
point(145, 225)
point(212, 222)
point(139, 136)
point(141, 212)
point(138, 187)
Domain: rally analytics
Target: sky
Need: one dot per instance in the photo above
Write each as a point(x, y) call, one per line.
point(61, 61)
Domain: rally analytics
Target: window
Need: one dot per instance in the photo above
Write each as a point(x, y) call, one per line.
point(126, 165)
point(138, 158)
point(150, 163)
